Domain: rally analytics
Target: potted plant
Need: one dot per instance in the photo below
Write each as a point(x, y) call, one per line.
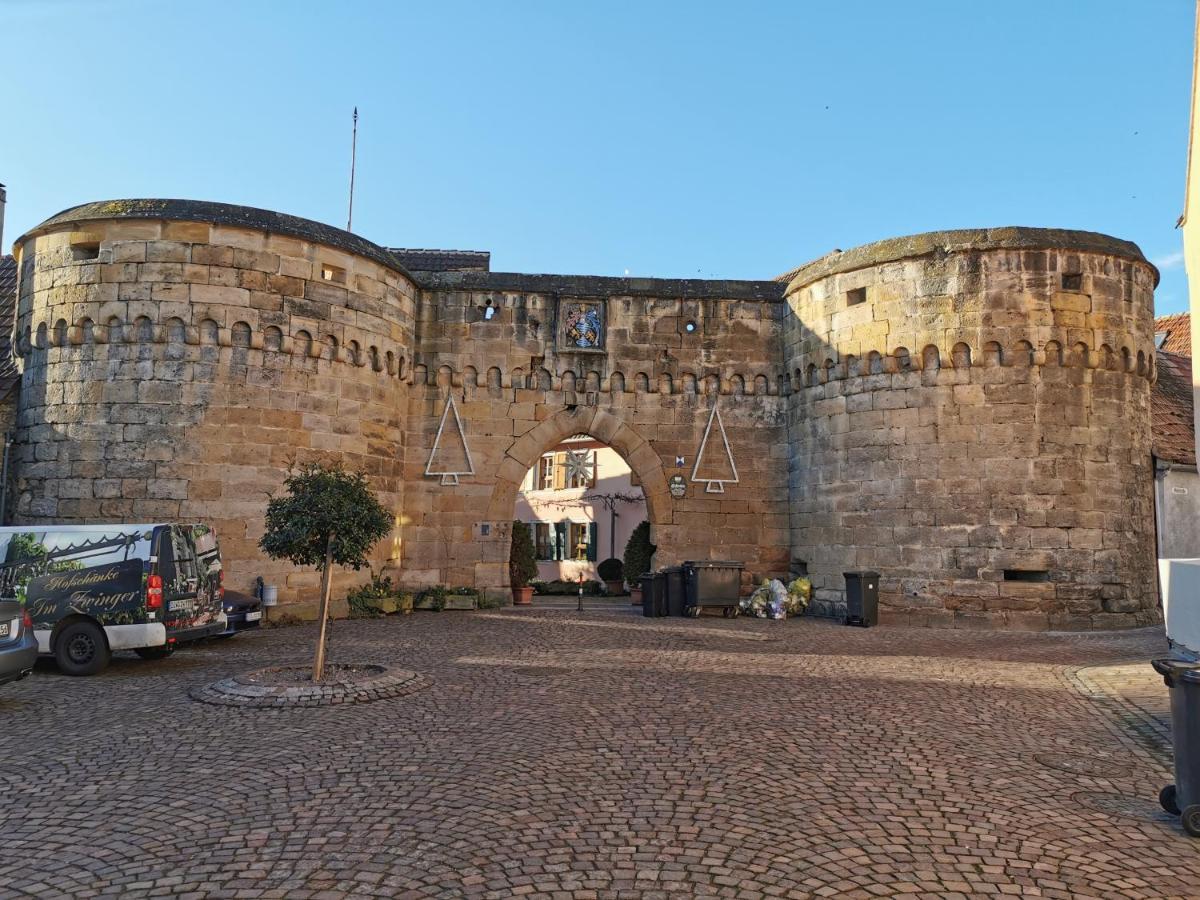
point(638, 553)
point(522, 564)
point(612, 573)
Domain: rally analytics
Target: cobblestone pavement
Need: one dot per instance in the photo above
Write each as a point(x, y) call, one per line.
point(1137, 701)
point(597, 755)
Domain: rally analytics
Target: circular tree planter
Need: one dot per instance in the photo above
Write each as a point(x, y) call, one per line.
point(280, 687)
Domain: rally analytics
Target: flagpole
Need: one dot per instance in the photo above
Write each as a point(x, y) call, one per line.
point(353, 155)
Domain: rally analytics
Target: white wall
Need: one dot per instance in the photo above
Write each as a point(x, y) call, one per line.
point(613, 476)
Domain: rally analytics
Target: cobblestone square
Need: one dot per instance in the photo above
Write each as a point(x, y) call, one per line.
point(559, 754)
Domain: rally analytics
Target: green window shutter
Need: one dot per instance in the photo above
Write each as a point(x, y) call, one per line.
point(561, 532)
point(591, 541)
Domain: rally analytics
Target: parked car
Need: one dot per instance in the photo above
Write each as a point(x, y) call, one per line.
point(93, 589)
point(243, 612)
point(18, 646)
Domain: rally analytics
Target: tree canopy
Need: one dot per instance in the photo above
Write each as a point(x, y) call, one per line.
point(324, 507)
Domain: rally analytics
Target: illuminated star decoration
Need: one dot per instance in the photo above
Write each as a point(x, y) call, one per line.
point(579, 467)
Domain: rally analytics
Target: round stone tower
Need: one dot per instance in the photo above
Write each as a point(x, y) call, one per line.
point(971, 418)
point(178, 356)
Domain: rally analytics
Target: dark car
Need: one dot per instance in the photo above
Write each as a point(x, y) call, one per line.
point(242, 612)
point(18, 645)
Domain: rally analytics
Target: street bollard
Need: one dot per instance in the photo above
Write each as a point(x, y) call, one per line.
point(579, 608)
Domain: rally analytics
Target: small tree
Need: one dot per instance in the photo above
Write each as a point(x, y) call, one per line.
point(522, 562)
point(638, 552)
point(326, 516)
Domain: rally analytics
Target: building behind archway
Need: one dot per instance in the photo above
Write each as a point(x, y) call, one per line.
point(966, 412)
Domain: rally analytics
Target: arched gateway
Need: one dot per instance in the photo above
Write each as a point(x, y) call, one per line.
point(963, 411)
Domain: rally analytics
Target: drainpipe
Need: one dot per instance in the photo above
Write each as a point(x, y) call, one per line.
point(8, 441)
point(612, 531)
point(3, 200)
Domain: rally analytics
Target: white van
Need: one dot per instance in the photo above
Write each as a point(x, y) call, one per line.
point(92, 589)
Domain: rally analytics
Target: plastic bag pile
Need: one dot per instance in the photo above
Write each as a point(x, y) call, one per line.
point(772, 600)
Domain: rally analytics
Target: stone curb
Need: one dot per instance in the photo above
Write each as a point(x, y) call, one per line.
point(237, 691)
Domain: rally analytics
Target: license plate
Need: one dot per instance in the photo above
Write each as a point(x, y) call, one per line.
point(4, 629)
point(253, 616)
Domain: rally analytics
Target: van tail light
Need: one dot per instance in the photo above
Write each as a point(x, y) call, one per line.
point(154, 592)
point(27, 619)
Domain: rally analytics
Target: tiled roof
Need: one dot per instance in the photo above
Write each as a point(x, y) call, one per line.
point(1172, 435)
point(443, 260)
point(1178, 331)
point(8, 309)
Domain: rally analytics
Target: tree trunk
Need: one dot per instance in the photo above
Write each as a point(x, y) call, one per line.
point(326, 586)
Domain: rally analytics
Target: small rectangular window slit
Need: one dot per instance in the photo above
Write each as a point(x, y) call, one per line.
point(336, 274)
point(856, 296)
point(1026, 575)
point(1073, 282)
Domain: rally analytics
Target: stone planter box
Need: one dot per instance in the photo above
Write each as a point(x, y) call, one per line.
point(452, 601)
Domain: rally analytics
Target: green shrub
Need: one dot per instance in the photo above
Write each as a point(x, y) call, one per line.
point(612, 569)
point(360, 600)
point(590, 588)
point(638, 553)
point(436, 596)
point(489, 601)
point(522, 561)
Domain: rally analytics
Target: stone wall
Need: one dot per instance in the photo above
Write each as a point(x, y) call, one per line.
point(520, 391)
point(174, 370)
point(965, 411)
point(973, 422)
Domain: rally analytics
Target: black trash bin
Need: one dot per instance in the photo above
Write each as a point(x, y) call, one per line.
point(1183, 797)
point(676, 590)
point(712, 583)
point(654, 594)
point(862, 598)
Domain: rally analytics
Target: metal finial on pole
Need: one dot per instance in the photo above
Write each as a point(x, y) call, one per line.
point(353, 156)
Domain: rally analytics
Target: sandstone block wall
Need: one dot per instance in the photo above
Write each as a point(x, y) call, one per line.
point(173, 370)
point(519, 392)
point(966, 412)
point(974, 424)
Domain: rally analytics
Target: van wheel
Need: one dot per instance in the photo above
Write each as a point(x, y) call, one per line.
point(155, 652)
point(81, 649)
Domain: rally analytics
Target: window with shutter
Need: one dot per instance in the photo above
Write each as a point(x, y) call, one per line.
point(591, 550)
point(560, 541)
point(559, 471)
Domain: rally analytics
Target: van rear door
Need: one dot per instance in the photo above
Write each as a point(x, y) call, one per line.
point(190, 609)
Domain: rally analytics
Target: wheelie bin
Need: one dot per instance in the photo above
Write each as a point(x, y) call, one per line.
point(676, 590)
point(654, 594)
point(862, 598)
point(1183, 797)
point(713, 583)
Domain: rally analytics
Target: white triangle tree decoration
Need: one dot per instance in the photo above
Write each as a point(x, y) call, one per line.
point(454, 457)
point(718, 472)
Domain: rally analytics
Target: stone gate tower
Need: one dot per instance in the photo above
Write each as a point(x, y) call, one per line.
point(966, 412)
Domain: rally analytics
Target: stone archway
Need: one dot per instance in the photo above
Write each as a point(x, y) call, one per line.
point(525, 451)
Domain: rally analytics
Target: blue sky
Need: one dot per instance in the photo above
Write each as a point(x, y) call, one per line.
point(731, 140)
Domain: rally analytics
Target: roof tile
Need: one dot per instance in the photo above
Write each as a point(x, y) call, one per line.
point(1172, 422)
